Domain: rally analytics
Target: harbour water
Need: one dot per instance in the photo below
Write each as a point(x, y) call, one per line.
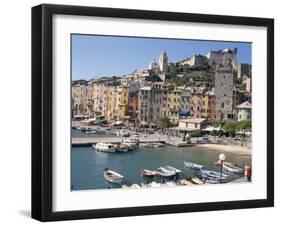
point(87, 165)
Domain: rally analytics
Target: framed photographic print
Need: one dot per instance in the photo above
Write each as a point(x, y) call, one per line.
point(146, 112)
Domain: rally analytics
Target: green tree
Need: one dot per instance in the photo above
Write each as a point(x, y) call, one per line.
point(164, 122)
point(195, 133)
point(244, 125)
point(153, 78)
point(230, 127)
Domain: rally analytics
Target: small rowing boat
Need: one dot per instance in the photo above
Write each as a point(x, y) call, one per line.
point(112, 176)
point(232, 168)
point(147, 173)
point(193, 165)
point(197, 181)
point(185, 182)
point(161, 171)
point(212, 173)
point(172, 169)
point(218, 163)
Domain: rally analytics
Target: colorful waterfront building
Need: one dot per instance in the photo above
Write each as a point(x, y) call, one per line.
point(212, 105)
point(196, 105)
point(144, 103)
point(174, 104)
point(122, 103)
point(99, 89)
point(185, 102)
point(205, 105)
point(111, 100)
point(81, 98)
point(133, 102)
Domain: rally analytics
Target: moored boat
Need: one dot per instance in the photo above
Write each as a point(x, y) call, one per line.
point(193, 165)
point(147, 173)
point(112, 176)
point(132, 143)
point(173, 169)
point(232, 168)
point(218, 163)
point(105, 147)
point(185, 182)
point(212, 173)
point(197, 181)
point(161, 171)
point(122, 148)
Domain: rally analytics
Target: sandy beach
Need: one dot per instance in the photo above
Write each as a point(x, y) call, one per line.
point(228, 148)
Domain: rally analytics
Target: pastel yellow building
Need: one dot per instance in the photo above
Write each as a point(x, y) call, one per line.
point(111, 96)
point(174, 104)
point(122, 103)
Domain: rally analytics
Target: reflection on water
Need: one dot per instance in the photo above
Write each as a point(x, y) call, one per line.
point(88, 165)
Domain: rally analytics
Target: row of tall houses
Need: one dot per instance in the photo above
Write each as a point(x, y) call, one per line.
point(150, 101)
point(133, 98)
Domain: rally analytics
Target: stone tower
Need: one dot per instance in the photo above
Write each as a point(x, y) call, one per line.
point(163, 65)
point(224, 93)
point(163, 62)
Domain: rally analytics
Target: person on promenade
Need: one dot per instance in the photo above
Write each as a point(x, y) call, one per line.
point(249, 173)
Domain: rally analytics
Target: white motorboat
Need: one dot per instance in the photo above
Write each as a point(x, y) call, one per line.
point(173, 169)
point(161, 171)
point(232, 168)
point(90, 132)
point(105, 147)
point(193, 165)
point(112, 176)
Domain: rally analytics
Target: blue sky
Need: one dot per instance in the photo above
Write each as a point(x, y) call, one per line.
point(96, 56)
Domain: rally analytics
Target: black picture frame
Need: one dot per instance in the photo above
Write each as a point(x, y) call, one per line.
point(42, 111)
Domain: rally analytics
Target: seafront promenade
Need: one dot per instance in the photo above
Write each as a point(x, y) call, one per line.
point(151, 138)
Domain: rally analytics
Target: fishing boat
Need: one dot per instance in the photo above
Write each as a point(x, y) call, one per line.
point(112, 176)
point(147, 173)
point(105, 147)
point(122, 148)
point(132, 143)
point(197, 181)
point(193, 165)
point(185, 182)
point(212, 173)
point(232, 168)
point(172, 169)
point(158, 145)
point(161, 171)
point(90, 132)
point(218, 163)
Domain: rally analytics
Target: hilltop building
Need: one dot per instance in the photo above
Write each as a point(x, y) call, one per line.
point(223, 57)
point(195, 60)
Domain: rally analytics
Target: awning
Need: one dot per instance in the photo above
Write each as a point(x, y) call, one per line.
point(184, 113)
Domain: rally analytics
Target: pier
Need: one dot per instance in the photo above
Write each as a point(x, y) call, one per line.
point(153, 138)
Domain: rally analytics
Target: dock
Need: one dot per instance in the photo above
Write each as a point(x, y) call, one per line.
point(153, 138)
